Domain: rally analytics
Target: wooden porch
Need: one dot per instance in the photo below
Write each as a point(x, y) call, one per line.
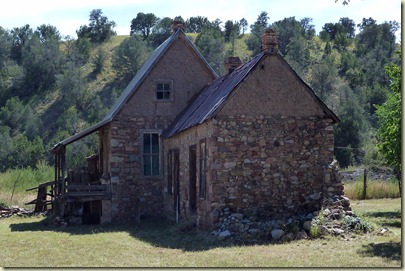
point(74, 186)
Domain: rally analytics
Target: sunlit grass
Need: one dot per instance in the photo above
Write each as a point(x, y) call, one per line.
point(153, 243)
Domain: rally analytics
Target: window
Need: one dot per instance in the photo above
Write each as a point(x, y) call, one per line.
point(150, 154)
point(164, 91)
point(203, 174)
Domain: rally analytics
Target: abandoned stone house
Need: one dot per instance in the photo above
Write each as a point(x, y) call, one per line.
point(183, 143)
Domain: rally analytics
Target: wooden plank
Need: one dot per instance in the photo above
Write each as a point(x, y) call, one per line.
point(41, 185)
point(85, 198)
point(82, 194)
point(87, 187)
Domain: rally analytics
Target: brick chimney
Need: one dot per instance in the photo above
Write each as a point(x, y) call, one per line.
point(269, 41)
point(231, 63)
point(176, 25)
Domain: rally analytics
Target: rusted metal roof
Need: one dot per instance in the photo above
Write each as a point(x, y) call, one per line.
point(213, 96)
point(210, 99)
point(132, 87)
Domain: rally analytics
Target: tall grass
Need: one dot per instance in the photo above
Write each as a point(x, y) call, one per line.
point(15, 182)
point(375, 189)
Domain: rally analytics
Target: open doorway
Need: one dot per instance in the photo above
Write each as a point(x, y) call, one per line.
point(91, 212)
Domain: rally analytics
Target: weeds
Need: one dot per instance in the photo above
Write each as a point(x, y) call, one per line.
point(376, 189)
point(15, 182)
point(357, 224)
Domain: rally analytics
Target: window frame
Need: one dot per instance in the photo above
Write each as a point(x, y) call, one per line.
point(170, 91)
point(158, 154)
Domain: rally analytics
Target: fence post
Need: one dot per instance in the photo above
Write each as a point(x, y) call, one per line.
point(365, 184)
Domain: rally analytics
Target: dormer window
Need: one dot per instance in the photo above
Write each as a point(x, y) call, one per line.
point(164, 91)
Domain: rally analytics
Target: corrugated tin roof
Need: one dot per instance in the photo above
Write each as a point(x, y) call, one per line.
point(210, 99)
point(133, 86)
point(215, 94)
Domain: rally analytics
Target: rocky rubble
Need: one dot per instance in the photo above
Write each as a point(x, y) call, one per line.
point(252, 229)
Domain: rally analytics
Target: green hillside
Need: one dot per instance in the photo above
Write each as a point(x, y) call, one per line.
point(52, 88)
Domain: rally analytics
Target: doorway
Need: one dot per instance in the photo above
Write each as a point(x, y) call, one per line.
point(193, 178)
point(176, 183)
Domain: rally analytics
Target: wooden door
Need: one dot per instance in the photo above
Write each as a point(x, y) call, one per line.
point(193, 178)
point(176, 183)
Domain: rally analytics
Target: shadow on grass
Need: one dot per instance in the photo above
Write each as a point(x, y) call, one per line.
point(391, 250)
point(390, 215)
point(387, 219)
point(157, 232)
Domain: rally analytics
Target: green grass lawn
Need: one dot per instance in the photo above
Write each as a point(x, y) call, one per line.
point(29, 242)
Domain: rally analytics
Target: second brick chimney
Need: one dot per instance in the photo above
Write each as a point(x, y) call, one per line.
point(269, 41)
point(231, 63)
point(176, 25)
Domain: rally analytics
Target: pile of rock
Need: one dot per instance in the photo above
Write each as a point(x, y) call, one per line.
point(252, 229)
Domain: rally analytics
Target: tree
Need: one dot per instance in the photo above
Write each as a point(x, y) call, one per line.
point(211, 44)
point(19, 118)
point(345, 27)
point(286, 30)
point(41, 63)
point(129, 56)
point(98, 61)
point(349, 26)
point(254, 41)
point(232, 29)
point(298, 54)
point(243, 24)
point(389, 118)
point(349, 132)
point(161, 31)
point(99, 29)
point(5, 48)
point(143, 24)
point(307, 28)
point(19, 36)
point(323, 77)
point(261, 20)
point(80, 53)
point(73, 85)
point(196, 24)
point(47, 32)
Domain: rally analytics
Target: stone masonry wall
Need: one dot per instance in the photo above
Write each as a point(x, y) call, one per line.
point(271, 166)
point(182, 142)
point(133, 194)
